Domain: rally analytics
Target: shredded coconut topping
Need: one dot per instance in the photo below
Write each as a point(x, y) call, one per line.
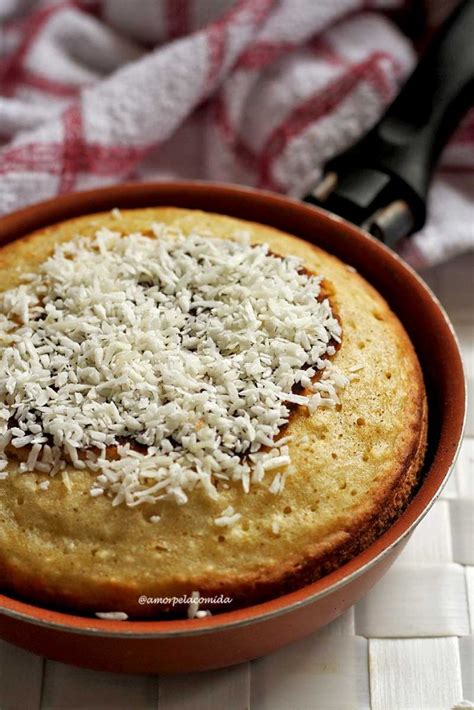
point(163, 362)
point(112, 615)
point(227, 517)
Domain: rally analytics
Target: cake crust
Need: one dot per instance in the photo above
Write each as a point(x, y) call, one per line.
point(355, 469)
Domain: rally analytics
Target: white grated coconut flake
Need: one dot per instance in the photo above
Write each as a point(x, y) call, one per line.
point(112, 615)
point(227, 518)
point(203, 613)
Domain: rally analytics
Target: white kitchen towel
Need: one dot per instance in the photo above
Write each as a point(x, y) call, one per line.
point(259, 92)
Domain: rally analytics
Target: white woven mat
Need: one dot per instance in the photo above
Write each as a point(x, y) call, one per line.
point(409, 645)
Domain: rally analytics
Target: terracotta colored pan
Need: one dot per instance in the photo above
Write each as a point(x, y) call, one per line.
point(233, 637)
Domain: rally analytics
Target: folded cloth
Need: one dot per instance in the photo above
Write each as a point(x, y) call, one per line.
point(259, 92)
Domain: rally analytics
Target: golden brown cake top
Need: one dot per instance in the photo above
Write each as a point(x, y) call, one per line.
point(349, 462)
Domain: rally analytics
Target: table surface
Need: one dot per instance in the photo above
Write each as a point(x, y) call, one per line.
point(408, 645)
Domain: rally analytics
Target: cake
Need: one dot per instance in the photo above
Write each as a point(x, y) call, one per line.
point(102, 509)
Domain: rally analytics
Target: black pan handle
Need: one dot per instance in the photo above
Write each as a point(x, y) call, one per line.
point(382, 182)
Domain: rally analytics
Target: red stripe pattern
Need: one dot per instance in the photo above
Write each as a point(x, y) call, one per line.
point(73, 148)
point(256, 74)
point(13, 71)
point(178, 17)
point(319, 104)
point(217, 34)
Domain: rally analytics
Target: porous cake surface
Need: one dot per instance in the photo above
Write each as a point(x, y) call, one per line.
point(351, 467)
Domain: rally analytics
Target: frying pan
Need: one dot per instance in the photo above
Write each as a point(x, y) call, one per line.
point(387, 196)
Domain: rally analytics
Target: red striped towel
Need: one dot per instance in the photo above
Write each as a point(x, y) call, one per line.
point(260, 92)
